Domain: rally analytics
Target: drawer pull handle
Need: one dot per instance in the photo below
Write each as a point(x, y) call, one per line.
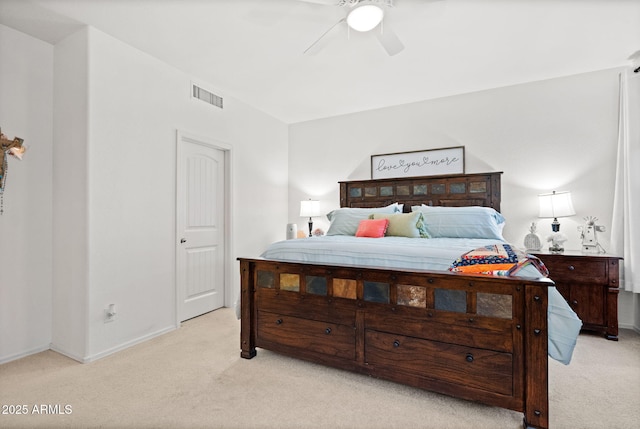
point(279, 322)
point(571, 268)
point(469, 357)
point(574, 302)
point(396, 343)
point(537, 331)
point(327, 331)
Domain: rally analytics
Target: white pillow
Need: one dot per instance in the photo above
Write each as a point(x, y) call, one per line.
point(345, 221)
point(462, 222)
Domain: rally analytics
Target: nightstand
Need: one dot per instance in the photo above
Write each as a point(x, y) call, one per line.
point(589, 283)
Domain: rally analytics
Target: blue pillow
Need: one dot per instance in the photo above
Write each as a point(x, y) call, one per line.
point(345, 221)
point(462, 222)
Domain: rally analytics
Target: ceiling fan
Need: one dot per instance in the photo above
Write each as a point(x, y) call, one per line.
point(362, 16)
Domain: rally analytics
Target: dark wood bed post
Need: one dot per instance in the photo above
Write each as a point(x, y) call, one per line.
point(536, 403)
point(343, 194)
point(496, 195)
point(247, 319)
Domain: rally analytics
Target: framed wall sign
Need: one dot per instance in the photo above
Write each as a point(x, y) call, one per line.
point(432, 162)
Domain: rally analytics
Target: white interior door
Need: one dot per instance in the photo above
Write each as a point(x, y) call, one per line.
point(200, 228)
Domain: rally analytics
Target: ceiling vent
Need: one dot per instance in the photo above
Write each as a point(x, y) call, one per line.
point(206, 96)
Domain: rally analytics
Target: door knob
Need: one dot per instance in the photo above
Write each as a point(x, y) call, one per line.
point(183, 240)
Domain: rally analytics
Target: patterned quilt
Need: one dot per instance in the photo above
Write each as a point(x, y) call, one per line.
point(497, 260)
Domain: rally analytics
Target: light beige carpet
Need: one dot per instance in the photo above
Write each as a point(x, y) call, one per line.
point(194, 378)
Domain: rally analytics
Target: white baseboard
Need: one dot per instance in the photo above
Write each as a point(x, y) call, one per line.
point(128, 344)
point(632, 327)
point(66, 353)
point(5, 359)
point(86, 359)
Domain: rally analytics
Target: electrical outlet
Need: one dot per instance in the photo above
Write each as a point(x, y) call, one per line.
point(110, 313)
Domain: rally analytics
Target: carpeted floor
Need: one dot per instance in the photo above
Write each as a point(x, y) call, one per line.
point(194, 378)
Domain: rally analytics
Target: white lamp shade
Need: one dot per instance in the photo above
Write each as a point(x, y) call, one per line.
point(556, 204)
point(365, 17)
point(309, 208)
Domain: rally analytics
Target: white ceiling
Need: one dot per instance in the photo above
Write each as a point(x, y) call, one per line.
point(252, 50)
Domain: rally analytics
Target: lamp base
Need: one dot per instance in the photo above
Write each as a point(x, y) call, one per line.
point(310, 227)
point(556, 248)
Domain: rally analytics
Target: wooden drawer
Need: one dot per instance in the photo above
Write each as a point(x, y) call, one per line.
point(581, 270)
point(461, 329)
point(477, 368)
point(321, 308)
point(320, 337)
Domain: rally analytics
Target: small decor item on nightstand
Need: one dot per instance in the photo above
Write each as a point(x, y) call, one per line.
point(557, 240)
point(292, 231)
point(588, 235)
point(532, 240)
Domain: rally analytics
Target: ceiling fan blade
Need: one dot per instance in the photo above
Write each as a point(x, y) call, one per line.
point(389, 41)
point(321, 41)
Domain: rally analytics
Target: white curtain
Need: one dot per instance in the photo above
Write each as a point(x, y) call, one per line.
point(625, 228)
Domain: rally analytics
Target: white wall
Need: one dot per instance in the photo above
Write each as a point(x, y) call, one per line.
point(26, 92)
point(558, 134)
point(71, 197)
point(137, 104)
point(110, 133)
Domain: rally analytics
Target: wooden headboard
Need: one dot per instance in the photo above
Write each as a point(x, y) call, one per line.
point(482, 189)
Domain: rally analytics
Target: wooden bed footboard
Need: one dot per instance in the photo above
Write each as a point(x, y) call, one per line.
point(474, 337)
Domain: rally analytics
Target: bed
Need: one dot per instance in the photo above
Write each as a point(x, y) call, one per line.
point(470, 335)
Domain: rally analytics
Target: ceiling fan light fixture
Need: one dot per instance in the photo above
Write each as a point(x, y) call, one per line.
point(365, 17)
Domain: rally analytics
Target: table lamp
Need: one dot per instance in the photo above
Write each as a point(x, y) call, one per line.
point(555, 205)
point(310, 208)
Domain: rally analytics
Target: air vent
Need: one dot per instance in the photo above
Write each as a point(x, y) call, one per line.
point(206, 96)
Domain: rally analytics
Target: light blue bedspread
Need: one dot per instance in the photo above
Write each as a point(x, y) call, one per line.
point(387, 252)
point(435, 254)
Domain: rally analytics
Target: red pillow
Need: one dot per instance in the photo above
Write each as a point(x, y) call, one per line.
point(373, 228)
